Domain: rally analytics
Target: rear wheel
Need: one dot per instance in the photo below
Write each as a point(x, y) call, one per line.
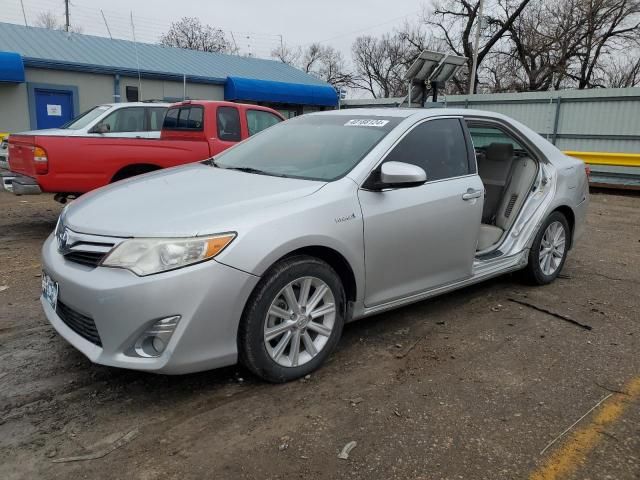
point(549, 250)
point(293, 320)
point(132, 171)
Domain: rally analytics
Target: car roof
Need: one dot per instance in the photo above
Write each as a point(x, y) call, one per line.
point(411, 112)
point(136, 104)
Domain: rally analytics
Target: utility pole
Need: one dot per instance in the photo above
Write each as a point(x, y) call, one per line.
point(474, 68)
point(66, 14)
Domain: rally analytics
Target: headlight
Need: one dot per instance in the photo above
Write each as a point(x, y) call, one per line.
point(144, 256)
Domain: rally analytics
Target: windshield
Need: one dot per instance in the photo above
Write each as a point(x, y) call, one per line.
point(86, 118)
point(313, 147)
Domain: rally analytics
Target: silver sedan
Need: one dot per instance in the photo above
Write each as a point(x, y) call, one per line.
point(261, 254)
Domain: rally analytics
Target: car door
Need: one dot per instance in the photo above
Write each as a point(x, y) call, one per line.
point(422, 237)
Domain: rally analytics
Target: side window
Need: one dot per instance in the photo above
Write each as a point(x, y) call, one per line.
point(438, 146)
point(130, 119)
point(184, 118)
point(228, 124)
point(484, 135)
point(156, 118)
point(258, 120)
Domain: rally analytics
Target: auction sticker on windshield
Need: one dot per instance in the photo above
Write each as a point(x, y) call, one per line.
point(365, 122)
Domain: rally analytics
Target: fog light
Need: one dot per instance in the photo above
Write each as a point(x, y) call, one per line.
point(156, 338)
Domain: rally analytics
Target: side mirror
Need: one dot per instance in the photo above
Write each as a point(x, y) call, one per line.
point(395, 175)
point(101, 128)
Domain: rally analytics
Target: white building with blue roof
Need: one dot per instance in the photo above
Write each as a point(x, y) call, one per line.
point(77, 72)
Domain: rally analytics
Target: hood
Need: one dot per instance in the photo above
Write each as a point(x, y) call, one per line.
point(184, 201)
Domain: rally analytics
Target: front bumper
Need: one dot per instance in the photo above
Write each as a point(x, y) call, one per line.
point(209, 297)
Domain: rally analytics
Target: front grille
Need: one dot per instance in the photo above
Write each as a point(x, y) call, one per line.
point(82, 248)
point(79, 323)
point(90, 259)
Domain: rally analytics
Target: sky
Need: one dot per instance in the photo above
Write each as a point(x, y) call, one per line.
point(256, 24)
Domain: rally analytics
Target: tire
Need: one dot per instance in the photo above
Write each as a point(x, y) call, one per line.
point(539, 272)
point(274, 359)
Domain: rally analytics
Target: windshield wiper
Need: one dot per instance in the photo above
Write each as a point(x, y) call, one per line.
point(255, 170)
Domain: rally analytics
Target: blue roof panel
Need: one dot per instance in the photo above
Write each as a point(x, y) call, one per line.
point(51, 48)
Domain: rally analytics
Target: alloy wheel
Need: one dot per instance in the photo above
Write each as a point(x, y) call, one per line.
point(299, 321)
point(552, 248)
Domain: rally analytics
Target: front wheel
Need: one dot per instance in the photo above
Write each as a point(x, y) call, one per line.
point(293, 320)
point(549, 250)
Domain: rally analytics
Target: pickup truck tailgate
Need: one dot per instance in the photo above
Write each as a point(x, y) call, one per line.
point(21, 155)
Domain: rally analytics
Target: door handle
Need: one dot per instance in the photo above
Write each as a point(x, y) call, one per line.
point(471, 194)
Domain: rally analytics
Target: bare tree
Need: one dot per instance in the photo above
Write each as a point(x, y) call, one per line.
point(542, 43)
point(323, 62)
point(286, 54)
point(455, 21)
point(50, 20)
point(380, 64)
point(609, 25)
point(623, 72)
point(567, 43)
point(191, 34)
point(328, 64)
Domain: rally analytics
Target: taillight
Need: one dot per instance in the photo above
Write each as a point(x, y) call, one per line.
point(40, 160)
point(587, 170)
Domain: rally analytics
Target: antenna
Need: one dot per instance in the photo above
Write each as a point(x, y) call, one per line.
point(106, 24)
point(135, 45)
point(24, 15)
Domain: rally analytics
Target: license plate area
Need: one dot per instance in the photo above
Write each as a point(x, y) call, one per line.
point(50, 290)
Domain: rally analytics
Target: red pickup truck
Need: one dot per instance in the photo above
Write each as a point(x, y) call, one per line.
point(69, 166)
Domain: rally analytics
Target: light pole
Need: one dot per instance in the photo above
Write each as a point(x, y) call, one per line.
point(474, 67)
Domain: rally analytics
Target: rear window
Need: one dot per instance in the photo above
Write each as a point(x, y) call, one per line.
point(258, 120)
point(228, 124)
point(189, 117)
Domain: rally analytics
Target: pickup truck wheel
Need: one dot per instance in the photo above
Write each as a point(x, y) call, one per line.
point(293, 320)
point(549, 250)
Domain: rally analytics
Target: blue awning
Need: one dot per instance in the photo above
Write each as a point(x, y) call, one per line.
point(249, 89)
point(11, 67)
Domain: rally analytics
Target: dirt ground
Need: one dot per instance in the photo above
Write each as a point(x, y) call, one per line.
point(471, 385)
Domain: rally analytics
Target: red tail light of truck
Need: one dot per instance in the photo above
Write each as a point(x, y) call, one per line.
point(40, 161)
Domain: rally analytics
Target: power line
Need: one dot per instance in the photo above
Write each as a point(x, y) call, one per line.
point(342, 35)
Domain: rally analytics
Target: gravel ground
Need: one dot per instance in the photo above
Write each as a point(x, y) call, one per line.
point(470, 385)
